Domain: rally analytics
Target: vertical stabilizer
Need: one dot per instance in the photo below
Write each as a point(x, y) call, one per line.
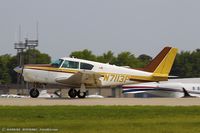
point(165, 65)
point(161, 65)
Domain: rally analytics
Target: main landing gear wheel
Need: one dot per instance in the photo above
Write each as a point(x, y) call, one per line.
point(34, 93)
point(81, 94)
point(72, 93)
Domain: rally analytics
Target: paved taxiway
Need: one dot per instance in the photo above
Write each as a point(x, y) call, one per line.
point(104, 101)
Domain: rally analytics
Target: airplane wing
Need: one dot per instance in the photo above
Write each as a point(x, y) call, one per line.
point(132, 92)
point(88, 78)
point(140, 88)
point(161, 89)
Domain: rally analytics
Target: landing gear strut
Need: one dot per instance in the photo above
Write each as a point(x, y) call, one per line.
point(34, 93)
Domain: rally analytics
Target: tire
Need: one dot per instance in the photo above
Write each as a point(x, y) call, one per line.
point(81, 94)
point(72, 93)
point(34, 93)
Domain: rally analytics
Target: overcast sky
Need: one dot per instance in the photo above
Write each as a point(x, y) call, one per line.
point(138, 26)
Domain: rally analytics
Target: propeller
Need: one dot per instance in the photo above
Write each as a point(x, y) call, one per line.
point(19, 70)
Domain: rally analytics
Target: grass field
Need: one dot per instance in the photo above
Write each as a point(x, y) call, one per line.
point(100, 119)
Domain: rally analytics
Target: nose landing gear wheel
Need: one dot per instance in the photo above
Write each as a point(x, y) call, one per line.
point(34, 93)
point(72, 93)
point(81, 94)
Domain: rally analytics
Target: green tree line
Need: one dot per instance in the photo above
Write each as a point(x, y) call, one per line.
point(187, 64)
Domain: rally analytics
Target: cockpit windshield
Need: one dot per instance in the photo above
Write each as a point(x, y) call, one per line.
point(57, 63)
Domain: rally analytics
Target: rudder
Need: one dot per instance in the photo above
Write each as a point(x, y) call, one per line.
point(165, 65)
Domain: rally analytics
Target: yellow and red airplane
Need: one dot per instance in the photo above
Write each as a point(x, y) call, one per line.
point(82, 74)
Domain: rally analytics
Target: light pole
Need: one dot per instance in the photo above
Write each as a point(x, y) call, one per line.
point(20, 47)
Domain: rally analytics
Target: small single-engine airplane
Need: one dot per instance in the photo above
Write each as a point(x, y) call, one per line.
point(79, 73)
point(173, 89)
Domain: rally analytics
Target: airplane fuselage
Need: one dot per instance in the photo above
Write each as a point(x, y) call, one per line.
point(111, 75)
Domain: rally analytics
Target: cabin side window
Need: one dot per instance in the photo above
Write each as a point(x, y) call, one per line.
point(193, 88)
point(86, 66)
point(57, 63)
point(70, 64)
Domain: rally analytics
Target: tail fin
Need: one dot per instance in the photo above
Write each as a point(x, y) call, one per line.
point(161, 65)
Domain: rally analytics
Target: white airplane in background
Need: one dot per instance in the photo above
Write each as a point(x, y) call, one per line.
point(173, 88)
point(79, 73)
